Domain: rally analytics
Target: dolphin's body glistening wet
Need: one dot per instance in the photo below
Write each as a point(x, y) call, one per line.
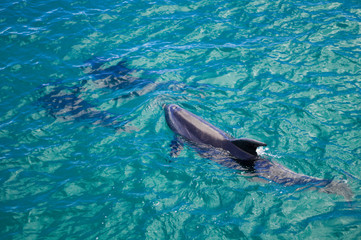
point(240, 154)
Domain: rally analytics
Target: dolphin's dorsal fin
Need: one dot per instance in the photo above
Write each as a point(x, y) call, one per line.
point(248, 145)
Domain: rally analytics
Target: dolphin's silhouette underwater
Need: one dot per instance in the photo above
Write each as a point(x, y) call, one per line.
point(240, 154)
point(66, 103)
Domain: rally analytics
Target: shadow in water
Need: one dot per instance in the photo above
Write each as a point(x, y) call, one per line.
point(67, 103)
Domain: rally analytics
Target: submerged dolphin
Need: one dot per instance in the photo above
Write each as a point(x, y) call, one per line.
point(112, 77)
point(67, 103)
point(64, 103)
point(240, 154)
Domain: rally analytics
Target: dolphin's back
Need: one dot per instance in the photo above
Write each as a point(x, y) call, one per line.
point(197, 130)
point(194, 128)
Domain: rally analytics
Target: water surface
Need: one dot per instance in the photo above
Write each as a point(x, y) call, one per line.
point(283, 72)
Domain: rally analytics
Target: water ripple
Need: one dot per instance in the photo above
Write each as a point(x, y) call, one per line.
point(284, 72)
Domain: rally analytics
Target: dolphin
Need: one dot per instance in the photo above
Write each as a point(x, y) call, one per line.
point(240, 153)
point(67, 103)
point(113, 77)
point(64, 103)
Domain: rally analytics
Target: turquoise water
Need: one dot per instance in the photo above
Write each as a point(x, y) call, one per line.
point(287, 73)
